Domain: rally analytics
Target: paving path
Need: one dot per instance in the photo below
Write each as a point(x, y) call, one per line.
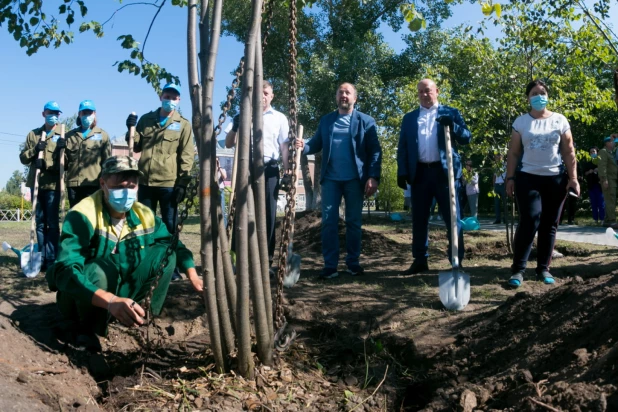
point(595, 235)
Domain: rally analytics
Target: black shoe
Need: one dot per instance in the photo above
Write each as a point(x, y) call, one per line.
point(355, 270)
point(329, 273)
point(416, 267)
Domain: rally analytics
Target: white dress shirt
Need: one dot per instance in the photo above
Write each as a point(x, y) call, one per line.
point(276, 130)
point(428, 135)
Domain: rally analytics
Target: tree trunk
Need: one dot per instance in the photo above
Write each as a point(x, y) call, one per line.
point(262, 331)
point(228, 270)
point(245, 361)
point(207, 182)
point(222, 303)
point(259, 187)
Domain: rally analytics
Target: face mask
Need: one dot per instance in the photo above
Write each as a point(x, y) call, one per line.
point(538, 102)
point(169, 105)
point(593, 155)
point(121, 200)
point(87, 121)
point(51, 119)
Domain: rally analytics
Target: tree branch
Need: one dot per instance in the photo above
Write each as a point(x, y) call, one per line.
point(141, 3)
point(150, 28)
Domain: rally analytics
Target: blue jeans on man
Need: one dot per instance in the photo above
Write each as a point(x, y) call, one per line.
point(500, 191)
point(47, 219)
point(332, 192)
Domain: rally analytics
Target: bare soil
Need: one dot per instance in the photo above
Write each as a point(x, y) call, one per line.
point(377, 342)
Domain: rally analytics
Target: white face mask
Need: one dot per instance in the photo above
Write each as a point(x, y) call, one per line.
point(87, 121)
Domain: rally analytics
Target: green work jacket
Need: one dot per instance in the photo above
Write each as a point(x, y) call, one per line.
point(167, 151)
point(88, 234)
point(85, 156)
point(49, 177)
point(608, 169)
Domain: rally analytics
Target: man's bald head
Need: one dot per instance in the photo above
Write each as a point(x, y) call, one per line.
point(427, 93)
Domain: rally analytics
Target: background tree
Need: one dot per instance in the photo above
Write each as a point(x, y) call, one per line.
point(13, 185)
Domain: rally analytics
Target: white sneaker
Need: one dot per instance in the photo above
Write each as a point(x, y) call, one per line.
point(556, 255)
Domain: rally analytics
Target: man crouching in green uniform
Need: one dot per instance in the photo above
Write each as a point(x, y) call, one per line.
point(110, 249)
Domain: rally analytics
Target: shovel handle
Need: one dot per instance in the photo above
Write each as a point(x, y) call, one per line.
point(35, 192)
point(61, 162)
point(453, 199)
point(131, 138)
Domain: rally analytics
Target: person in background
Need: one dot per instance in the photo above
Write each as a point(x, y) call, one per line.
point(87, 147)
point(608, 177)
point(165, 140)
point(221, 177)
point(462, 196)
point(407, 200)
point(432, 211)
point(499, 186)
point(472, 188)
point(540, 142)
point(48, 196)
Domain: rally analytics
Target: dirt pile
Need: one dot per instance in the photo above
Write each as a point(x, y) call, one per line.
point(559, 349)
point(308, 236)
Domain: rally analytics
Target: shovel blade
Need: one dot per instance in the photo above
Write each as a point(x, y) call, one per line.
point(30, 265)
point(454, 289)
point(293, 270)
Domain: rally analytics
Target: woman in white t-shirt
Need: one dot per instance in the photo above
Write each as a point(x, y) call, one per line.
point(472, 188)
point(541, 141)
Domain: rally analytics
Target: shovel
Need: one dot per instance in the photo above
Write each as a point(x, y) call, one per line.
point(454, 284)
point(131, 138)
point(292, 273)
point(62, 184)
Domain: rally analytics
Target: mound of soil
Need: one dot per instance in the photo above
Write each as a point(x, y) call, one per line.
point(557, 350)
point(308, 233)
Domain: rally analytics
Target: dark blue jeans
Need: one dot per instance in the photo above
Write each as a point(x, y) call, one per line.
point(597, 203)
point(152, 197)
point(429, 183)
point(332, 192)
point(47, 218)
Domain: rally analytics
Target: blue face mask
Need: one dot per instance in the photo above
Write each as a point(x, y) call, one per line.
point(169, 105)
point(121, 200)
point(87, 121)
point(594, 155)
point(51, 119)
point(539, 101)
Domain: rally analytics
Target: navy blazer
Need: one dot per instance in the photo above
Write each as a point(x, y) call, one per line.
point(407, 149)
point(365, 143)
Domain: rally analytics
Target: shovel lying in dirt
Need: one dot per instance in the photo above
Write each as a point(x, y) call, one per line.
point(454, 284)
point(30, 263)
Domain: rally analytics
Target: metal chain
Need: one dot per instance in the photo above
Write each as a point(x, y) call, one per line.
point(282, 341)
point(171, 248)
point(230, 96)
point(267, 7)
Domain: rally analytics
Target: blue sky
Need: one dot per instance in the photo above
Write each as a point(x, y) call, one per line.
point(83, 70)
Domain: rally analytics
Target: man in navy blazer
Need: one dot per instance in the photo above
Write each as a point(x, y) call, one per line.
point(421, 162)
point(351, 164)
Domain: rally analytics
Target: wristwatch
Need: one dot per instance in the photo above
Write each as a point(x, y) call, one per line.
point(510, 178)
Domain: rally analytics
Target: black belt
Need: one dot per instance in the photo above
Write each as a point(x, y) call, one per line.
point(431, 165)
point(271, 162)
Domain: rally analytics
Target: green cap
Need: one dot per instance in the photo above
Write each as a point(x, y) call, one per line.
point(120, 164)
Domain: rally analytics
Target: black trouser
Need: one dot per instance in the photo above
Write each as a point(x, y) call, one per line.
point(271, 182)
point(79, 193)
point(539, 200)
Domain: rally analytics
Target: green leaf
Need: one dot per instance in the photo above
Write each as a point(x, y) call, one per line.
point(416, 24)
point(34, 21)
point(487, 9)
point(498, 10)
point(348, 394)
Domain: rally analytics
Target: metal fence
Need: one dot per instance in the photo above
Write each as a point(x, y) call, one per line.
point(15, 215)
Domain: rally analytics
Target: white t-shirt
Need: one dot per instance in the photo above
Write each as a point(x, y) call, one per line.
point(428, 151)
point(541, 141)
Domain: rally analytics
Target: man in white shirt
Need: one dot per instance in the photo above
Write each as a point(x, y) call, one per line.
point(421, 163)
point(275, 136)
point(499, 187)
